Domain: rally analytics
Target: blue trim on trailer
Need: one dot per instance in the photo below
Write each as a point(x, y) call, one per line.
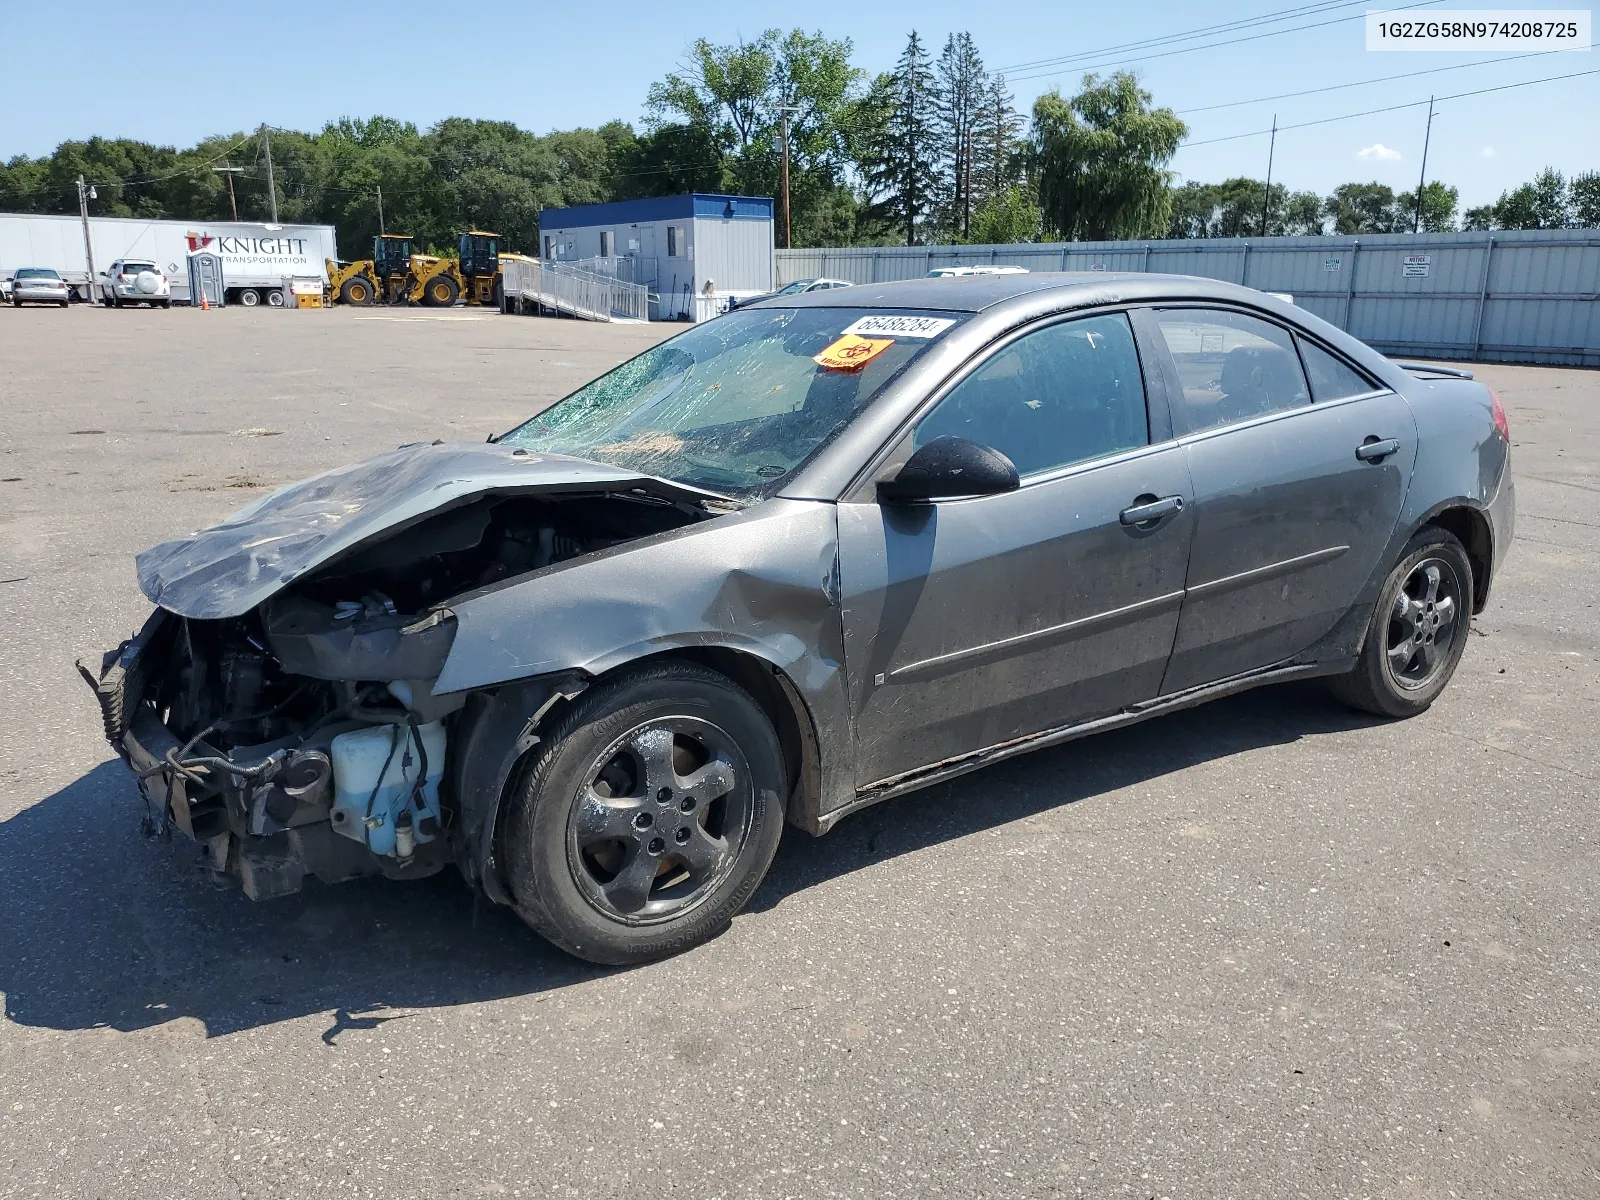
point(708, 205)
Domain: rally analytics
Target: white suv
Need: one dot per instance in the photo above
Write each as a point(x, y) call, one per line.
point(135, 281)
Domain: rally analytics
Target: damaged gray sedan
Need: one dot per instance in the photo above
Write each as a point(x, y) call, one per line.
point(814, 554)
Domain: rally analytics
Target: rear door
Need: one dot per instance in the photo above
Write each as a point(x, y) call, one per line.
point(1297, 484)
point(969, 622)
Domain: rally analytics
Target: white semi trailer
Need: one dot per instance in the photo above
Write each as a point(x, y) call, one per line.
point(255, 258)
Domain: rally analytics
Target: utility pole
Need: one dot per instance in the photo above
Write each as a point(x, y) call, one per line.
point(230, 172)
point(1266, 197)
point(84, 192)
point(272, 187)
point(380, 211)
point(787, 224)
point(1416, 225)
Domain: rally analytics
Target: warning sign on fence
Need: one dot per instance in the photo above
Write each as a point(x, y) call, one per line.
point(1415, 266)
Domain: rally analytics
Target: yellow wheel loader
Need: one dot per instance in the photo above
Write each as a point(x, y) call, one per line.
point(352, 283)
point(395, 274)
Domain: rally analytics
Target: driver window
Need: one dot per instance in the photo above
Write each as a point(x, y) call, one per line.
point(1064, 394)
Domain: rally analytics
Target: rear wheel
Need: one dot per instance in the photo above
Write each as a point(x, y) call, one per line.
point(249, 297)
point(274, 298)
point(440, 292)
point(355, 291)
point(1418, 630)
point(650, 818)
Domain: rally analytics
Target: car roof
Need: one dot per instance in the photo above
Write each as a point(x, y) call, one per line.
point(975, 293)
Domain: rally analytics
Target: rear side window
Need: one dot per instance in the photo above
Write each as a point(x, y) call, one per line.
point(1232, 367)
point(1063, 394)
point(1331, 377)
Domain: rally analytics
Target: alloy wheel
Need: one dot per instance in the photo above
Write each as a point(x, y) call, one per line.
point(659, 819)
point(1423, 623)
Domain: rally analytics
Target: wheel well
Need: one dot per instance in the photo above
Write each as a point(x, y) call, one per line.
point(1471, 529)
point(777, 699)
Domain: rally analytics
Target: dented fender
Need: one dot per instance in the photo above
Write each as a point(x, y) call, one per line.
point(762, 582)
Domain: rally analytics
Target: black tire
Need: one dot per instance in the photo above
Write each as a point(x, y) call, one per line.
point(591, 835)
point(355, 290)
point(274, 298)
point(440, 292)
point(1418, 630)
point(249, 297)
point(64, 303)
point(166, 304)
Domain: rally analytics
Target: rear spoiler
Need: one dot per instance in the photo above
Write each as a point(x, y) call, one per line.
point(1428, 369)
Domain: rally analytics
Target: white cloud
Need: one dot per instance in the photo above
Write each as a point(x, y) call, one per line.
point(1378, 152)
point(1486, 152)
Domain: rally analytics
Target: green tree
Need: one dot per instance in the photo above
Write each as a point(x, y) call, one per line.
point(1439, 203)
point(1364, 208)
point(900, 163)
point(961, 91)
point(1584, 194)
point(731, 99)
point(1009, 215)
point(1102, 160)
point(1233, 208)
point(999, 152)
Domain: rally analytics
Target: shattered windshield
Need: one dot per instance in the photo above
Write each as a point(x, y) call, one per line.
point(736, 404)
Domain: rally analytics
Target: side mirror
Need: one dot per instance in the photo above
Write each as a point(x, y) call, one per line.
point(950, 466)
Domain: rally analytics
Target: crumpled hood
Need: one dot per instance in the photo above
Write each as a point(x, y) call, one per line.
point(228, 569)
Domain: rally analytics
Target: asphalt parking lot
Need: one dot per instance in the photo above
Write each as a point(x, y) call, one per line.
point(1263, 948)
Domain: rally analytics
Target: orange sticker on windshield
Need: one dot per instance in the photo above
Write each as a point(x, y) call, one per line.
point(851, 353)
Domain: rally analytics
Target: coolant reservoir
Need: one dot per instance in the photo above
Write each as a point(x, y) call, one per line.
point(367, 795)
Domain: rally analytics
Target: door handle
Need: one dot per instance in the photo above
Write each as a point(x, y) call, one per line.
point(1147, 510)
point(1376, 449)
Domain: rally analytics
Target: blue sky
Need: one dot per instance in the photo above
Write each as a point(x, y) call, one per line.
point(136, 70)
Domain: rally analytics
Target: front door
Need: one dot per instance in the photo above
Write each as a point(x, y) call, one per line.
point(1297, 486)
point(970, 622)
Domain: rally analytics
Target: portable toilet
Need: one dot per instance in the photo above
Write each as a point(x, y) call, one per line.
point(205, 279)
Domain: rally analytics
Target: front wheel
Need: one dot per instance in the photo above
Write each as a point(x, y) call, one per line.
point(650, 817)
point(1418, 630)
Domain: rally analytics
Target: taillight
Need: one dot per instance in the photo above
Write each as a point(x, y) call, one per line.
point(1502, 426)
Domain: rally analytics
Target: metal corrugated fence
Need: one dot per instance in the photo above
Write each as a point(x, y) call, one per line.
point(1514, 296)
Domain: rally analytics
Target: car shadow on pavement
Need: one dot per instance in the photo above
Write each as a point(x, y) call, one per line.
point(100, 928)
point(1049, 779)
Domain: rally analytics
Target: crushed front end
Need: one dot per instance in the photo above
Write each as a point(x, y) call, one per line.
point(278, 705)
point(279, 775)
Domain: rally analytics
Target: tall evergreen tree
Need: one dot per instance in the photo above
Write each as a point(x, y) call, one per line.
point(902, 163)
point(963, 87)
point(997, 138)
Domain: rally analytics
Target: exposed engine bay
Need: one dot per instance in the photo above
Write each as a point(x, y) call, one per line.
point(304, 736)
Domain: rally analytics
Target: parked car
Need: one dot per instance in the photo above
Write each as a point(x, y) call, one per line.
point(793, 562)
point(37, 285)
point(965, 272)
point(797, 288)
point(135, 281)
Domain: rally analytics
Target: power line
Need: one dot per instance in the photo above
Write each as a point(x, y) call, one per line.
point(1183, 112)
point(1285, 14)
point(1233, 137)
point(1254, 37)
